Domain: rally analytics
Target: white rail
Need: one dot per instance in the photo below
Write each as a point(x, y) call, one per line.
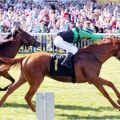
point(45, 106)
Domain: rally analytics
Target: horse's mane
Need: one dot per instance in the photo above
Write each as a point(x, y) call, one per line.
point(112, 40)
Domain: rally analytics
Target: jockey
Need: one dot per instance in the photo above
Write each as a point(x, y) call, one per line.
point(4, 40)
point(66, 39)
point(7, 24)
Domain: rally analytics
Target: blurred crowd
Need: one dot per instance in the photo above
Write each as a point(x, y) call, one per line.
point(40, 17)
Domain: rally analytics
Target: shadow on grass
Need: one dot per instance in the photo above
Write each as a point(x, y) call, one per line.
point(81, 108)
point(72, 107)
point(17, 105)
point(24, 53)
point(92, 117)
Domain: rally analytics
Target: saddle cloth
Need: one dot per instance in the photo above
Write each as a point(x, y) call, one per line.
point(56, 69)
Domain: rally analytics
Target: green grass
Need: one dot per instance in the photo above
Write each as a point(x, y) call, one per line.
point(72, 101)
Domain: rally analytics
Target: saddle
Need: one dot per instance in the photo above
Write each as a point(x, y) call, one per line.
point(56, 69)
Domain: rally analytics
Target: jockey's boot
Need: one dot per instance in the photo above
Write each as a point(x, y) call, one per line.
point(67, 61)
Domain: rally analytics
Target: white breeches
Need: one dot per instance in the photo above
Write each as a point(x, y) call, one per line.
point(60, 43)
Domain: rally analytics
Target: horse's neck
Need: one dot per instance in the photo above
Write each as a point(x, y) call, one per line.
point(11, 50)
point(104, 52)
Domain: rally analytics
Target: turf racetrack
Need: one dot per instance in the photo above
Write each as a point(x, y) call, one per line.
point(72, 101)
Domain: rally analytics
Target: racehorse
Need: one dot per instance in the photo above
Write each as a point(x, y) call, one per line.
point(87, 64)
point(10, 49)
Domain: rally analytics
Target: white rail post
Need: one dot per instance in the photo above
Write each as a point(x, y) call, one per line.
point(45, 106)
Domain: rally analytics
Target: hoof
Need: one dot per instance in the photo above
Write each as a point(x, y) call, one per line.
point(118, 101)
point(2, 89)
point(5, 88)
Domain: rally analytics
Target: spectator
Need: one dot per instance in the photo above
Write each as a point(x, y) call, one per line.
point(6, 26)
point(29, 14)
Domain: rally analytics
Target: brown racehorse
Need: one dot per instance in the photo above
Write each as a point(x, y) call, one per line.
point(87, 64)
point(10, 49)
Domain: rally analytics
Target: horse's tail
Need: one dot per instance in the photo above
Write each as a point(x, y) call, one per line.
point(6, 63)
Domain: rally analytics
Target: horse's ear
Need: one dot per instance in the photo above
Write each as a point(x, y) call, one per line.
point(14, 31)
point(16, 24)
point(21, 30)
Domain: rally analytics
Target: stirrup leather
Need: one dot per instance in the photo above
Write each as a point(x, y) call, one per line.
point(67, 61)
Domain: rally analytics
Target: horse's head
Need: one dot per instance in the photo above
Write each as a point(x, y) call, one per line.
point(24, 37)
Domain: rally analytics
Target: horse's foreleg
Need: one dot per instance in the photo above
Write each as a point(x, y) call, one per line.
point(11, 89)
point(106, 95)
point(9, 77)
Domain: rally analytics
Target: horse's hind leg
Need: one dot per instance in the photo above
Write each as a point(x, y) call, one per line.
point(9, 77)
point(30, 95)
point(33, 88)
point(12, 88)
